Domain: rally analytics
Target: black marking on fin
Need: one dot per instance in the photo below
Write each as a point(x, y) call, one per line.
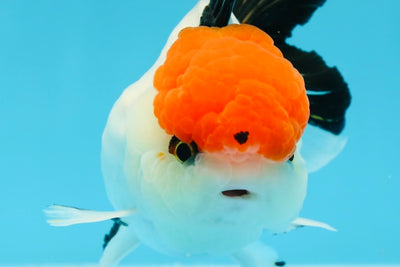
point(113, 231)
point(276, 17)
point(280, 263)
point(327, 91)
point(241, 137)
point(217, 13)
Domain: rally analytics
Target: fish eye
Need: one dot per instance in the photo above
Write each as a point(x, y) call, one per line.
point(291, 158)
point(181, 150)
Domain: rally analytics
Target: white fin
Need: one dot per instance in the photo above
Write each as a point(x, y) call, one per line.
point(119, 246)
point(65, 216)
point(256, 255)
point(299, 222)
point(319, 147)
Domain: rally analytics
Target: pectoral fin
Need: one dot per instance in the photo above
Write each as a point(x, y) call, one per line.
point(64, 216)
point(319, 147)
point(301, 222)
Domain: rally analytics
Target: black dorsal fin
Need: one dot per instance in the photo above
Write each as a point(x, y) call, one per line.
point(327, 91)
point(217, 13)
point(276, 17)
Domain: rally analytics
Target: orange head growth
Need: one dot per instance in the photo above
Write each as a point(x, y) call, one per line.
point(231, 87)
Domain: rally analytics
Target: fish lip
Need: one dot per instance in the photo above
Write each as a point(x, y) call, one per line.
point(236, 193)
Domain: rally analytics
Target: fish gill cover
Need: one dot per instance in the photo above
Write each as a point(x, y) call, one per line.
point(220, 83)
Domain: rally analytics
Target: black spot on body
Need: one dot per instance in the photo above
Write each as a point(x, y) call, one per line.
point(280, 263)
point(241, 137)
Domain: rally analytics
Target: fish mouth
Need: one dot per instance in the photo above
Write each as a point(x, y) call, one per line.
point(236, 193)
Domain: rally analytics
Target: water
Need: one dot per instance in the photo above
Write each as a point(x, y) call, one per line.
point(64, 63)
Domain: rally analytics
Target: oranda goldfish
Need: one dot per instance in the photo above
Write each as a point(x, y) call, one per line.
point(203, 154)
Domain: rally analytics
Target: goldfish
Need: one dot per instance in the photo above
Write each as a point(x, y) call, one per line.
point(203, 154)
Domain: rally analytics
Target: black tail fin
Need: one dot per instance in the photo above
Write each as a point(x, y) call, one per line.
point(327, 91)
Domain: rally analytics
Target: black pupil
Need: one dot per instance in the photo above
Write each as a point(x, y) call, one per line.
point(183, 151)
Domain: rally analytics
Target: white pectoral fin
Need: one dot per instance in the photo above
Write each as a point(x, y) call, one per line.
point(319, 147)
point(301, 222)
point(119, 246)
point(64, 216)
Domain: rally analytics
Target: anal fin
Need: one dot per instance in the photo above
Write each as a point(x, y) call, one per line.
point(257, 255)
point(114, 230)
point(118, 247)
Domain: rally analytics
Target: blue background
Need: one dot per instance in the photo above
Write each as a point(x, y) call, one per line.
point(64, 63)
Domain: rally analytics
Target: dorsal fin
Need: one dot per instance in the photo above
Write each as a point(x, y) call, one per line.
point(276, 17)
point(217, 13)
